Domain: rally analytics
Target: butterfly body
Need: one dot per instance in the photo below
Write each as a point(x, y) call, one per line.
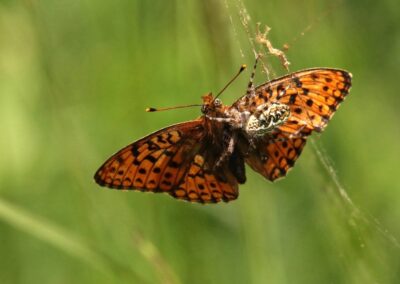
point(203, 160)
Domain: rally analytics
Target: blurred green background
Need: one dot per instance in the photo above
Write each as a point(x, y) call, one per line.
point(75, 78)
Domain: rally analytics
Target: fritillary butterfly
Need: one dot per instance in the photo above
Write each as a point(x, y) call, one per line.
point(203, 160)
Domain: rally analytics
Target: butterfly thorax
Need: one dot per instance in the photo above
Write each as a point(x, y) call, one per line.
point(220, 121)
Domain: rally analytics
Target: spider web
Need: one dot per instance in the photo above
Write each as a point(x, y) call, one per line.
point(355, 212)
point(257, 40)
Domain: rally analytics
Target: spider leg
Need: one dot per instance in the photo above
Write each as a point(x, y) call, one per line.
point(289, 135)
point(298, 133)
point(250, 87)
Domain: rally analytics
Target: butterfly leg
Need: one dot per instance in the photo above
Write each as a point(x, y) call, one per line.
point(251, 147)
point(231, 141)
point(252, 144)
point(220, 119)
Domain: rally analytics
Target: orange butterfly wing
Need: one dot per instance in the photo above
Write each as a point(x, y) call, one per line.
point(274, 158)
point(170, 160)
point(313, 96)
point(202, 184)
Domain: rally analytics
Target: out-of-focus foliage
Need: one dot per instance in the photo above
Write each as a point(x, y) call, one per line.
point(75, 78)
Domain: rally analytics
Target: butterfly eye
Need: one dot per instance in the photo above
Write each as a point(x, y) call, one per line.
point(217, 102)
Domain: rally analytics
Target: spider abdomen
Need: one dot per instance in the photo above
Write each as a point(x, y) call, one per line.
point(267, 118)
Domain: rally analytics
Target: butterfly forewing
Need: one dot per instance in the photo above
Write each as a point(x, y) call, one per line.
point(151, 163)
point(313, 96)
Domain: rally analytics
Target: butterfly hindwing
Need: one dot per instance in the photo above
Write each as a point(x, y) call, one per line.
point(274, 157)
point(204, 184)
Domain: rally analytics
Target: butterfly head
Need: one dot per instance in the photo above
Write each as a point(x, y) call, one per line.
point(210, 104)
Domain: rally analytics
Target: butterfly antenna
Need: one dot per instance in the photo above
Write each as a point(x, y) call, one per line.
point(152, 109)
point(244, 66)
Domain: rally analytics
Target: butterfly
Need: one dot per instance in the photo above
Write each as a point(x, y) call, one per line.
point(203, 160)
